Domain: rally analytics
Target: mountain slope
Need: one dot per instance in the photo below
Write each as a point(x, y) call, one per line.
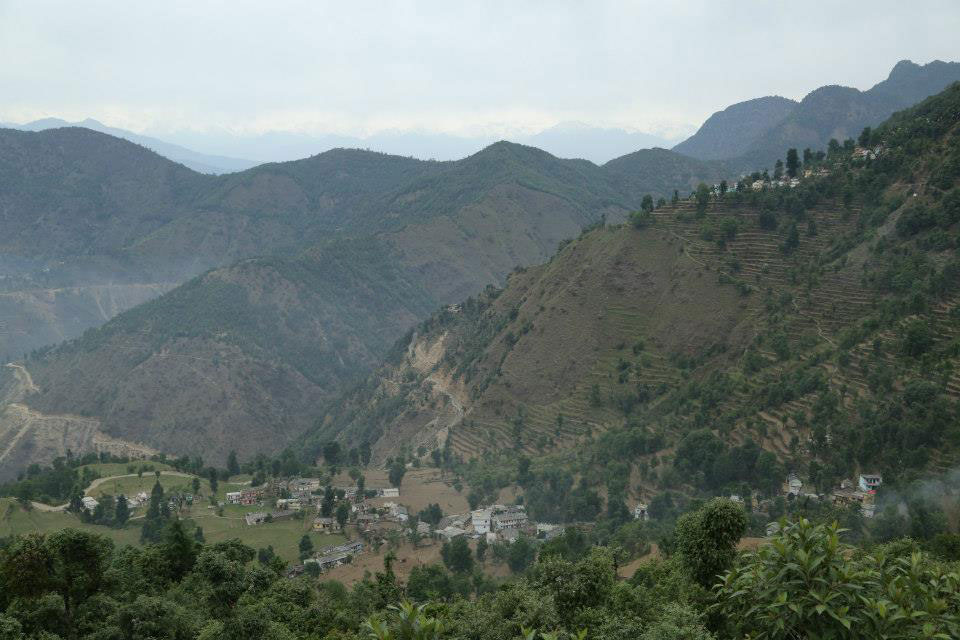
point(260, 344)
point(85, 211)
point(239, 358)
point(660, 172)
point(731, 132)
point(754, 134)
point(200, 162)
point(74, 191)
point(778, 330)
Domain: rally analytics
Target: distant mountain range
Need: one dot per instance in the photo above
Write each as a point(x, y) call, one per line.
point(754, 134)
point(286, 282)
point(319, 265)
point(201, 162)
point(565, 140)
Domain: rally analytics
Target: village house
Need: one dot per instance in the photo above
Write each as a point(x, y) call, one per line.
point(510, 517)
point(399, 513)
point(299, 485)
point(352, 547)
point(367, 519)
point(456, 520)
point(640, 512)
point(451, 532)
point(869, 481)
point(846, 496)
point(137, 500)
point(757, 185)
point(257, 517)
point(324, 524)
point(510, 535)
point(245, 497)
point(391, 492)
point(329, 562)
point(89, 503)
point(423, 528)
point(793, 485)
point(288, 504)
point(480, 519)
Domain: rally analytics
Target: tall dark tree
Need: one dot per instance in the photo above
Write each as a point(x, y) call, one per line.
point(457, 555)
point(646, 205)
point(179, 551)
point(122, 511)
point(331, 453)
point(707, 538)
point(306, 546)
point(397, 470)
point(703, 198)
point(214, 481)
point(793, 163)
point(343, 514)
point(233, 467)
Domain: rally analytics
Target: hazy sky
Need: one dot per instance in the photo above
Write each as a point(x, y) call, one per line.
point(479, 67)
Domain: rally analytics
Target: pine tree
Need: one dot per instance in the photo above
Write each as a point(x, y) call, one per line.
point(306, 546)
point(122, 512)
point(793, 162)
point(233, 467)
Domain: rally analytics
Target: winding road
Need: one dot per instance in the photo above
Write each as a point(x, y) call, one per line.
point(39, 506)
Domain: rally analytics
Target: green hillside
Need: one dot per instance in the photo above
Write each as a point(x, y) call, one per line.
point(812, 330)
point(239, 358)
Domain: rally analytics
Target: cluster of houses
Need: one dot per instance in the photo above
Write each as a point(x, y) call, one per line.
point(867, 153)
point(176, 501)
point(300, 493)
point(496, 523)
point(861, 492)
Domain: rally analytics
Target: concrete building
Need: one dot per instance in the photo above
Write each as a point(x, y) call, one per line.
point(509, 518)
point(451, 532)
point(869, 481)
point(480, 519)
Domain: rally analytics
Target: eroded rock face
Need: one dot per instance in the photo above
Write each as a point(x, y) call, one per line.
point(28, 436)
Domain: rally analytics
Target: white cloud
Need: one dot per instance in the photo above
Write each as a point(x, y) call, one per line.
point(470, 68)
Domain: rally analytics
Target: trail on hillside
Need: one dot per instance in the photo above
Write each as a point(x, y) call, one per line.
point(99, 481)
point(39, 506)
point(24, 380)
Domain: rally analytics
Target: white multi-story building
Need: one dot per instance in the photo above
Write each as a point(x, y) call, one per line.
point(480, 519)
point(510, 518)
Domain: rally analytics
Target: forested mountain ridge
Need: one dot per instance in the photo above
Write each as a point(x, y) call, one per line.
point(711, 346)
point(754, 134)
point(83, 211)
point(442, 231)
point(391, 239)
